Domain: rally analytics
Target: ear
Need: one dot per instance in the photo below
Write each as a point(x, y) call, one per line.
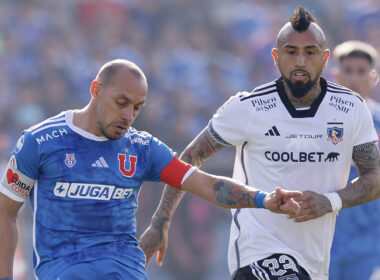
point(95, 88)
point(275, 56)
point(326, 55)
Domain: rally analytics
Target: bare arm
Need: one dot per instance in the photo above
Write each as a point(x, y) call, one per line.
point(8, 234)
point(196, 153)
point(361, 190)
point(367, 187)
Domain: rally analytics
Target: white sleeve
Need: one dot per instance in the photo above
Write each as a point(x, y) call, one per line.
point(364, 129)
point(229, 125)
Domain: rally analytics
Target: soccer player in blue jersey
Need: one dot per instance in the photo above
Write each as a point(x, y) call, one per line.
point(357, 230)
point(82, 171)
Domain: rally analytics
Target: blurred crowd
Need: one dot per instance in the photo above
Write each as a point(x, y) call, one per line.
point(195, 53)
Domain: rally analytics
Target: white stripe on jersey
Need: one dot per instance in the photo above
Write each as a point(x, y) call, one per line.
point(55, 120)
point(52, 125)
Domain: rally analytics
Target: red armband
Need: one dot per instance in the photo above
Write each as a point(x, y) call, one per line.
point(173, 173)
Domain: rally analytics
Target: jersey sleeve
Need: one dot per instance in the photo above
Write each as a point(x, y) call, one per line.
point(159, 157)
point(229, 124)
point(364, 130)
point(22, 170)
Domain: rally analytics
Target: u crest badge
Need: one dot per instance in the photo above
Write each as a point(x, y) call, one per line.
point(132, 165)
point(70, 160)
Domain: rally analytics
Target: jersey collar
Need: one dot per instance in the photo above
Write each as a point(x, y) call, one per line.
point(308, 113)
point(88, 135)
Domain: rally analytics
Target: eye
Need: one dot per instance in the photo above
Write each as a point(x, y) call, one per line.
point(310, 53)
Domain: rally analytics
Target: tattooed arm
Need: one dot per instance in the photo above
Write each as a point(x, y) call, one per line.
point(367, 186)
point(155, 237)
point(363, 189)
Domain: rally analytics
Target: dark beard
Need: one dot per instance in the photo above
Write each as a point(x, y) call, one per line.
point(299, 89)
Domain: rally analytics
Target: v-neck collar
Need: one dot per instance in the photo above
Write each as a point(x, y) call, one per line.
point(307, 113)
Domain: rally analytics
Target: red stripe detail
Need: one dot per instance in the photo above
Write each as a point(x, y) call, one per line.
point(173, 173)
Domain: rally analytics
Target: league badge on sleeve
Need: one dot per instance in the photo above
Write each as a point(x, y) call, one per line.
point(70, 160)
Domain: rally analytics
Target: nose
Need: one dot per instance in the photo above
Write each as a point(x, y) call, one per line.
point(128, 113)
point(300, 60)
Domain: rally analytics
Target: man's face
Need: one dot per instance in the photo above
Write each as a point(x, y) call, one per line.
point(301, 58)
point(118, 102)
point(357, 74)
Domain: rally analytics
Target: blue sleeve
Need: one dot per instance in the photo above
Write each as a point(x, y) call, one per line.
point(160, 156)
point(25, 152)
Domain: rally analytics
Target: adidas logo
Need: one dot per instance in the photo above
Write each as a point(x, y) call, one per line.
point(273, 132)
point(100, 163)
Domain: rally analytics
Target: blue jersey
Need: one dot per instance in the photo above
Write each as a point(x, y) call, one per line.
point(355, 253)
point(83, 190)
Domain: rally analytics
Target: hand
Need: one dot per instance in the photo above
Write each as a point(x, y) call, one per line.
point(283, 201)
point(313, 205)
point(155, 238)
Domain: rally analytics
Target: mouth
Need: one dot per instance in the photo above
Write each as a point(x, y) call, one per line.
point(299, 75)
point(121, 127)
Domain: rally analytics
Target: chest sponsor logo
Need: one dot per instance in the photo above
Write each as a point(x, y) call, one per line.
point(261, 104)
point(131, 169)
point(304, 136)
point(301, 156)
point(70, 160)
point(16, 184)
point(91, 191)
point(140, 141)
point(341, 104)
point(48, 136)
point(335, 134)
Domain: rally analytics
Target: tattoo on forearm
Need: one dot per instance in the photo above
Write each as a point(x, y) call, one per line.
point(229, 193)
point(169, 202)
point(159, 225)
point(201, 149)
point(367, 187)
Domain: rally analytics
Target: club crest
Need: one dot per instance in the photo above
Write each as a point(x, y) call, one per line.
point(335, 135)
point(70, 160)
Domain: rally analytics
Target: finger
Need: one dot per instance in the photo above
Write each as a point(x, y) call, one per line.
point(290, 206)
point(148, 257)
point(160, 256)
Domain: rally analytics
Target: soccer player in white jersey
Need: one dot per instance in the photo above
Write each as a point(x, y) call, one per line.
point(82, 171)
point(357, 231)
point(299, 131)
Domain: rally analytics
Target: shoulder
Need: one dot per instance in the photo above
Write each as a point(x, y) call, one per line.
point(50, 128)
point(262, 90)
point(343, 92)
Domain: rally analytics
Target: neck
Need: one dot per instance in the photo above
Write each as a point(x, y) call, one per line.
point(84, 119)
point(306, 100)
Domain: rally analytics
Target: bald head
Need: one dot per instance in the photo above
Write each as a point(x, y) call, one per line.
point(109, 70)
point(301, 21)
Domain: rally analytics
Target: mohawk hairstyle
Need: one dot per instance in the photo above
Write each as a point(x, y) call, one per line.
point(301, 19)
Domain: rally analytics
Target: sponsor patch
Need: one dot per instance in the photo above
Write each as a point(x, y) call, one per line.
point(16, 182)
point(20, 144)
point(91, 191)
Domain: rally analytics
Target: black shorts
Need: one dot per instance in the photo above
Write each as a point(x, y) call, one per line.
point(274, 267)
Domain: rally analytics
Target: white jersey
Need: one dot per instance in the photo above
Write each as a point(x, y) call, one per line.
point(295, 149)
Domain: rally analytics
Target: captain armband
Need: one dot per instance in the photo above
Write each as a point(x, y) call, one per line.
point(176, 172)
